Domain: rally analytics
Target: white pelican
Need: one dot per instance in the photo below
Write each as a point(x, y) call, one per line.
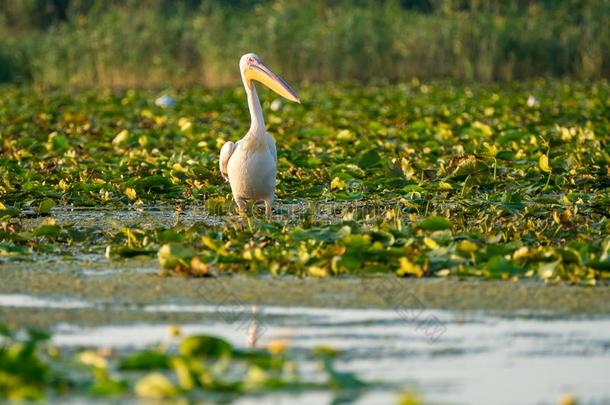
point(249, 164)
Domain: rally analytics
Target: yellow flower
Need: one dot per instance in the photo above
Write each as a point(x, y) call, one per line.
point(91, 358)
point(430, 243)
point(184, 124)
point(444, 186)
point(174, 330)
point(316, 271)
point(120, 137)
point(277, 346)
point(178, 167)
point(155, 386)
point(543, 163)
point(130, 193)
point(466, 246)
point(337, 183)
point(346, 135)
point(407, 267)
point(484, 128)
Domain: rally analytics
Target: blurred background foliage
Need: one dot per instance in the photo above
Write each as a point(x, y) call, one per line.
point(121, 43)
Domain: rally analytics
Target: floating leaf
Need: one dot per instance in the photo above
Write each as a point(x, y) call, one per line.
point(407, 268)
point(369, 159)
point(467, 247)
point(50, 231)
point(155, 386)
point(316, 271)
point(59, 142)
point(10, 250)
point(145, 360)
point(470, 168)
point(154, 184)
point(44, 208)
point(435, 223)
point(172, 255)
point(543, 163)
point(121, 251)
point(92, 358)
point(108, 387)
point(121, 137)
point(498, 266)
point(205, 346)
point(130, 193)
point(337, 184)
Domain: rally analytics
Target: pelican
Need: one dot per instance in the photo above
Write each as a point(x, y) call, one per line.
point(249, 164)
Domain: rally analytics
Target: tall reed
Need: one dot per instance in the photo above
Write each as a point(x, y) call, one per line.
point(127, 43)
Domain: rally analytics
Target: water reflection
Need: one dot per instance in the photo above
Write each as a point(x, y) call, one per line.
point(529, 358)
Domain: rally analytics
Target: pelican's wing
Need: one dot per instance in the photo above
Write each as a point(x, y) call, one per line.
point(225, 155)
point(271, 146)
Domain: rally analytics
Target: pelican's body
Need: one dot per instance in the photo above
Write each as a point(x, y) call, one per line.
point(250, 163)
point(251, 169)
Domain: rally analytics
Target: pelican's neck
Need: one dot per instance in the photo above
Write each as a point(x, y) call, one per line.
point(257, 125)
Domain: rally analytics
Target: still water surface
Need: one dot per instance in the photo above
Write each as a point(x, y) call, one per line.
point(468, 358)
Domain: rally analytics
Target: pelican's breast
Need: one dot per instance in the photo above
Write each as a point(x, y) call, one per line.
point(252, 171)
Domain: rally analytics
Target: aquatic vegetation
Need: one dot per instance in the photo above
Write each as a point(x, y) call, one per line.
point(419, 179)
point(31, 368)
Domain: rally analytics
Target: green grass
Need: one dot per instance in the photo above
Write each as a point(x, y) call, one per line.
point(432, 179)
point(179, 43)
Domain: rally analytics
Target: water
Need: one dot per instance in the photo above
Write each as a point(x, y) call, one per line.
point(474, 356)
point(447, 357)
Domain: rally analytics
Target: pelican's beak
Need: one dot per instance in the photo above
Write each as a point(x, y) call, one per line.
point(263, 74)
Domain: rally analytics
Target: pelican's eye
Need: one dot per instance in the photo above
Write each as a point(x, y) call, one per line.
point(252, 60)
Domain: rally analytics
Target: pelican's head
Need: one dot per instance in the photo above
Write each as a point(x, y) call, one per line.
point(252, 68)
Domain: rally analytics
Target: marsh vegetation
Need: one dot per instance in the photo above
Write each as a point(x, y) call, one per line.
point(441, 228)
point(181, 43)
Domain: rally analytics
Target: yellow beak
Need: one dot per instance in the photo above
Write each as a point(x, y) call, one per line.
point(264, 75)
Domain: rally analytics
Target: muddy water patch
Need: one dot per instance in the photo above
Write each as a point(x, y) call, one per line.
point(111, 218)
point(134, 283)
